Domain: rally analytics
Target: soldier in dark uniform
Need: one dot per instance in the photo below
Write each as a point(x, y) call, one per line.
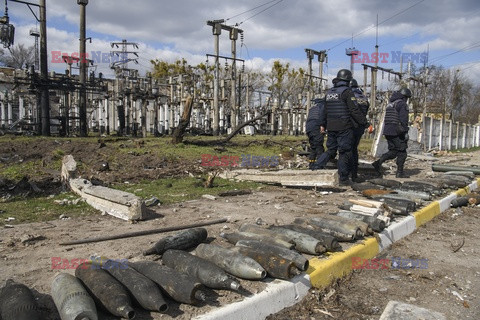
point(342, 114)
point(315, 130)
point(396, 131)
point(358, 131)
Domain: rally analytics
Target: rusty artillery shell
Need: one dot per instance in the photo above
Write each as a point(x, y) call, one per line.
point(327, 240)
point(364, 227)
point(145, 292)
point(299, 260)
point(334, 228)
point(181, 241)
point(376, 224)
point(232, 262)
point(404, 205)
point(179, 286)
point(204, 271)
point(369, 193)
point(18, 303)
point(276, 266)
point(252, 228)
point(454, 181)
point(234, 237)
point(399, 199)
point(303, 242)
point(72, 299)
point(459, 202)
point(106, 290)
point(420, 186)
point(414, 194)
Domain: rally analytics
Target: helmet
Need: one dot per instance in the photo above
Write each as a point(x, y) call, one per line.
point(406, 92)
point(353, 83)
point(344, 74)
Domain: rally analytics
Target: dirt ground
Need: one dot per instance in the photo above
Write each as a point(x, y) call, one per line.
point(450, 285)
point(29, 261)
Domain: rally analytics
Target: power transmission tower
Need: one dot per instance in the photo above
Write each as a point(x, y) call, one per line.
point(124, 74)
point(121, 66)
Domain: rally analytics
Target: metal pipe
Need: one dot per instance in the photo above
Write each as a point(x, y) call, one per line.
point(144, 233)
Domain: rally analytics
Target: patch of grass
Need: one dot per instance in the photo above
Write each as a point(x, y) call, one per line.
point(58, 154)
point(43, 209)
point(171, 190)
point(466, 150)
point(17, 171)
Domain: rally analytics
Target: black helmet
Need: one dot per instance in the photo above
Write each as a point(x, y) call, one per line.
point(345, 75)
point(353, 83)
point(406, 92)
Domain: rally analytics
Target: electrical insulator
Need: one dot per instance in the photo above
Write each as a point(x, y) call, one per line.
point(233, 34)
point(217, 29)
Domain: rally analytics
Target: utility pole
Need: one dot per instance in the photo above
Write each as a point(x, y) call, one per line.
point(83, 69)
point(217, 27)
point(44, 95)
point(217, 31)
point(310, 56)
point(233, 108)
point(68, 97)
point(322, 55)
point(321, 58)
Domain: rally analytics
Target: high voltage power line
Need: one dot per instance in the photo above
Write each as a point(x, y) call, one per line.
point(250, 10)
point(466, 48)
point(374, 26)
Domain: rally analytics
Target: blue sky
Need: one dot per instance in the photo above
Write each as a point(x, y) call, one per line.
point(280, 29)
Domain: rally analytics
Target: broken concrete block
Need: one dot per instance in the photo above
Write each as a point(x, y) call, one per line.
point(117, 203)
point(401, 311)
point(69, 169)
point(290, 178)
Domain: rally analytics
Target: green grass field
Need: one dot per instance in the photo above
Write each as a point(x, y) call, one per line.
point(167, 190)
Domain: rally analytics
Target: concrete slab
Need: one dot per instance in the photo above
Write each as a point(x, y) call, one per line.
point(291, 178)
point(401, 311)
point(117, 203)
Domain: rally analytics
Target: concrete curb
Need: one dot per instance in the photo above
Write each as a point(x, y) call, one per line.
point(323, 272)
point(281, 294)
point(278, 295)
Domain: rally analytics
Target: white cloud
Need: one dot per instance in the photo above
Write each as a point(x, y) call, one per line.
point(172, 30)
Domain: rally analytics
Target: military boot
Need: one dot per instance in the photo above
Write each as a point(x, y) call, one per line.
point(377, 165)
point(400, 173)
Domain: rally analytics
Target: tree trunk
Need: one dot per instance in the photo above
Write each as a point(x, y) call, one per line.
point(184, 121)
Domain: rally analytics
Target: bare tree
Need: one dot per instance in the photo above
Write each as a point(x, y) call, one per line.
point(18, 57)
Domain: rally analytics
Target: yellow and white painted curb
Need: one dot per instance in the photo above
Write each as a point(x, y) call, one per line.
point(281, 294)
point(320, 270)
